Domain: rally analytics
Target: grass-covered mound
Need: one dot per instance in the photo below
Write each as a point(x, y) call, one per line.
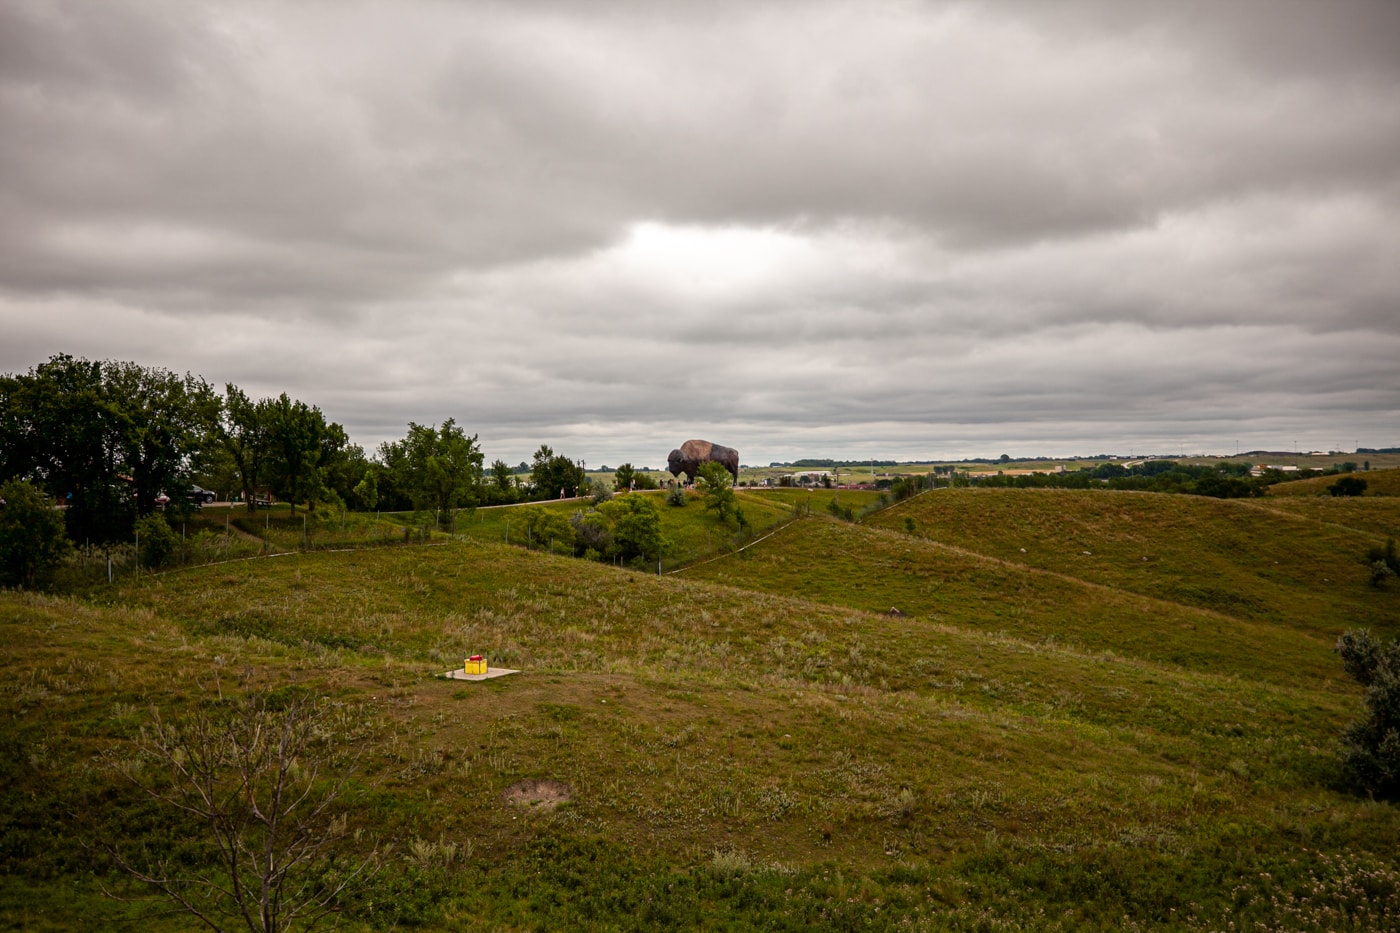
point(1047, 739)
point(1378, 483)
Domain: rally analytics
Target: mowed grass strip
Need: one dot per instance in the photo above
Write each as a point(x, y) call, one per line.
point(1227, 556)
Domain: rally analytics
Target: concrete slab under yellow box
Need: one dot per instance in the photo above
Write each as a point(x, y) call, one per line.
point(491, 673)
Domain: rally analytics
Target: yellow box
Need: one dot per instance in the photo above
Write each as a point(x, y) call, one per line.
point(474, 665)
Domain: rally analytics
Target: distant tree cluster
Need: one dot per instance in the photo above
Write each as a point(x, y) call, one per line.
point(1222, 481)
point(112, 443)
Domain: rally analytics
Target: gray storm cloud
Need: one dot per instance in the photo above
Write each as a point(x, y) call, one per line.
point(893, 229)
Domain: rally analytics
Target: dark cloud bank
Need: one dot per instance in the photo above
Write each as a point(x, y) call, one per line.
point(890, 229)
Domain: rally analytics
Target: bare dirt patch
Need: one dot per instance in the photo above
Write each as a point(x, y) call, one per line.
point(539, 795)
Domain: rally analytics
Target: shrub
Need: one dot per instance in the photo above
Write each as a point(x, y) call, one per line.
point(32, 542)
point(258, 775)
point(676, 497)
point(1372, 745)
point(155, 540)
point(1347, 486)
point(1384, 561)
point(592, 532)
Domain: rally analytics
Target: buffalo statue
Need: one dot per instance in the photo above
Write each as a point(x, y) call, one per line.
point(688, 457)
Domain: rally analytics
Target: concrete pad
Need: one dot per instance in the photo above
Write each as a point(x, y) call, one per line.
point(460, 674)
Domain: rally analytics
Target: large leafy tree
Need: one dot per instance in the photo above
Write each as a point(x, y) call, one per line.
point(58, 428)
point(104, 438)
point(243, 432)
point(301, 444)
point(438, 468)
point(163, 421)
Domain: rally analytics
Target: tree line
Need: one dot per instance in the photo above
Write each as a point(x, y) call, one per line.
point(113, 442)
point(1223, 480)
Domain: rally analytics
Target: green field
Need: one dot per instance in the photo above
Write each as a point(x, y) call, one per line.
point(975, 710)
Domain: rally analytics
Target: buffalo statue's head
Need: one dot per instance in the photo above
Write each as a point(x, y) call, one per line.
point(673, 459)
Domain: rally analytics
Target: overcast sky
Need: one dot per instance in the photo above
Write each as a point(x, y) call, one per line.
point(855, 229)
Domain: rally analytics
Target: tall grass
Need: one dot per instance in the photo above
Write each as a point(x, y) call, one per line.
point(1036, 741)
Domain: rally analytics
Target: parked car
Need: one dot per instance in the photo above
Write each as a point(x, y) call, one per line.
point(198, 494)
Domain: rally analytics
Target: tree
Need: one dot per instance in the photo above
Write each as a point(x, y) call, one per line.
point(636, 523)
point(105, 439)
point(547, 527)
point(1371, 746)
point(367, 489)
point(554, 473)
point(439, 469)
point(243, 431)
point(714, 483)
point(59, 429)
point(343, 466)
point(593, 534)
point(625, 476)
point(502, 489)
point(299, 440)
point(1347, 486)
point(32, 542)
point(163, 420)
point(250, 773)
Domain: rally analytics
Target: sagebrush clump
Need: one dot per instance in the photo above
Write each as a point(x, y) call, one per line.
point(1372, 745)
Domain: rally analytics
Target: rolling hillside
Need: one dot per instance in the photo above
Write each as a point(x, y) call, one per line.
point(1041, 739)
point(1378, 483)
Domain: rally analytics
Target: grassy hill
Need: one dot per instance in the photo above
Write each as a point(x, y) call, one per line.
point(1226, 556)
point(1378, 483)
point(1040, 739)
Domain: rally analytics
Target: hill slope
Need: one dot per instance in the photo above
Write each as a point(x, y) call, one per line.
point(755, 749)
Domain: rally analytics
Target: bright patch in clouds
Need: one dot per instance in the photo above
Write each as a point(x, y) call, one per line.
point(717, 263)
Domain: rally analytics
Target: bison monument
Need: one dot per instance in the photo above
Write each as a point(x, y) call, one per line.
point(688, 457)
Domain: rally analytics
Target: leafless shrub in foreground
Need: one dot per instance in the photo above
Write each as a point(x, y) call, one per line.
point(254, 773)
